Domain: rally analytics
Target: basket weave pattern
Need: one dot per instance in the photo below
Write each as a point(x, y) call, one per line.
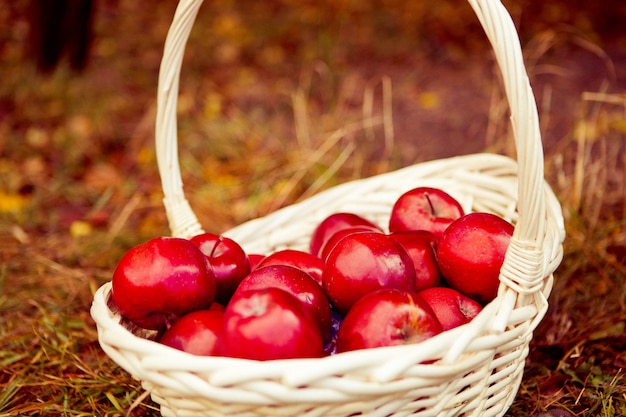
point(473, 370)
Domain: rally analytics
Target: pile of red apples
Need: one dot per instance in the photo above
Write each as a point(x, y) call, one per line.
point(357, 286)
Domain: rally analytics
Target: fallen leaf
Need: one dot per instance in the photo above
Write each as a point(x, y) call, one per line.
point(12, 203)
point(428, 100)
point(80, 228)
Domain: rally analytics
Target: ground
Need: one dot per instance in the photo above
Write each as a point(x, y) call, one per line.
point(265, 85)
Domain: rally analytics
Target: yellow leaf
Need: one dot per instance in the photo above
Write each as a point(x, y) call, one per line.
point(11, 203)
point(619, 124)
point(212, 106)
point(80, 228)
point(146, 156)
point(428, 100)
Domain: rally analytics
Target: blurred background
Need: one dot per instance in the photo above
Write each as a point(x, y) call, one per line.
point(77, 96)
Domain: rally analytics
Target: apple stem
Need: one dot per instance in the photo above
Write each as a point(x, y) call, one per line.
point(430, 203)
point(220, 239)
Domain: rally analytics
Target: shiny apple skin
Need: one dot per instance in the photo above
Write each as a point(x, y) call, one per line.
point(159, 281)
point(198, 332)
point(387, 317)
point(338, 236)
point(424, 208)
point(334, 223)
point(304, 261)
point(362, 263)
point(255, 259)
point(269, 324)
point(229, 261)
point(421, 247)
point(452, 308)
point(296, 282)
point(471, 253)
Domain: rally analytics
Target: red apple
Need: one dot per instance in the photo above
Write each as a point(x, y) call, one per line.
point(304, 261)
point(420, 245)
point(159, 281)
point(254, 259)
point(217, 306)
point(228, 259)
point(471, 253)
point(296, 282)
point(424, 208)
point(450, 306)
point(197, 333)
point(332, 224)
point(337, 236)
point(362, 263)
point(387, 317)
point(270, 324)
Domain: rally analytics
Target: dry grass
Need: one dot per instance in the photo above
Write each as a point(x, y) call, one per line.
point(78, 187)
point(578, 359)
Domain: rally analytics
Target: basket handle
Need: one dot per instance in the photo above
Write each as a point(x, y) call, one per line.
point(528, 238)
point(182, 220)
point(527, 245)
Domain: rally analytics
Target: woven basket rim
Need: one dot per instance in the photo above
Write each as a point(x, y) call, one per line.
point(104, 317)
point(104, 292)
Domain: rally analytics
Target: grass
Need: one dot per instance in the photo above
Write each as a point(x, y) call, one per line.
point(578, 358)
point(78, 183)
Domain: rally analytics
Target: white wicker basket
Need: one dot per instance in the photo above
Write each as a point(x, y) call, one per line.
point(473, 370)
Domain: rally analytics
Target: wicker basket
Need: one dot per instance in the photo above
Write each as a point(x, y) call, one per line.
point(473, 370)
